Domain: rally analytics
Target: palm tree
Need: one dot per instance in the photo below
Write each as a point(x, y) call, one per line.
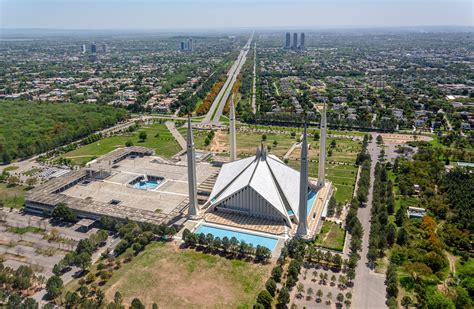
point(321, 276)
point(315, 275)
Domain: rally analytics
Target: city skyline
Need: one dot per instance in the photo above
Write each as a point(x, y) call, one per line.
point(162, 14)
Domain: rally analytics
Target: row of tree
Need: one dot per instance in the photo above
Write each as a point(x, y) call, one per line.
point(231, 246)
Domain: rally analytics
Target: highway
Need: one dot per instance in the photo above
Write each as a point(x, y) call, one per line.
point(217, 107)
point(254, 87)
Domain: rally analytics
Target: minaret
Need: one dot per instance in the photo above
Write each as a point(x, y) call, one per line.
point(193, 209)
point(233, 137)
point(302, 230)
point(322, 149)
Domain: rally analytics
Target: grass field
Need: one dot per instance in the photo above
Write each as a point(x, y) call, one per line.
point(342, 176)
point(182, 278)
point(12, 196)
point(158, 138)
point(340, 168)
point(331, 236)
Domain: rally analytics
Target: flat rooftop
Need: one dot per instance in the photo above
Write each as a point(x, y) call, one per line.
point(168, 195)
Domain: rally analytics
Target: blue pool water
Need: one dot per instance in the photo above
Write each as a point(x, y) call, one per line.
point(255, 240)
point(311, 197)
point(151, 184)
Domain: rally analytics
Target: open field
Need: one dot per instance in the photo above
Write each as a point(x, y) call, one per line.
point(158, 138)
point(331, 236)
point(342, 176)
point(12, 196)
point(181, 278)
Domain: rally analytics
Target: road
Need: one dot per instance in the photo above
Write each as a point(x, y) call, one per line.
point(369, 287)
point(215, 112)
point(254, 87)
point(177, 136)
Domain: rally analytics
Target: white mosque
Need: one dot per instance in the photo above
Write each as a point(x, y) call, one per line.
point(261, 191)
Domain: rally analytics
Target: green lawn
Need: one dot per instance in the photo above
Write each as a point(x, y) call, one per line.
point(10, 168)
point(199, 137)
point(12, 196)
point(331, 236)
point(27, 229)
point(158, 138)
point(342, 176)
point(182, 278)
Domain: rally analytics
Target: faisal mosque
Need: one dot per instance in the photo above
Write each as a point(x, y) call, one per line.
point(261, 193)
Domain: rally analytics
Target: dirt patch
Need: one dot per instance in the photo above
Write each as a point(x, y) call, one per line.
point(219, 142)
point(403, 138)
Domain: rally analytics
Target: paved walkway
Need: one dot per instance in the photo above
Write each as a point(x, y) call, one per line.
point(177, 136)
point(369, 287)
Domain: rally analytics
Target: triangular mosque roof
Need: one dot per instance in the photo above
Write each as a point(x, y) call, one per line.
point(267, 175)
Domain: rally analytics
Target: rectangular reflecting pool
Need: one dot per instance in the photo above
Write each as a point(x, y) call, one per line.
point(249, 238)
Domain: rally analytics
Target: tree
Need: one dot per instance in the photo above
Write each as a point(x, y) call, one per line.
point(13, 180)
point(329, 297)
point(83, 260)
point(128, 144)
point(154, 306)
point(406, 302)
point(276, 273)
point(137, 304)
point(310, 292)
point(391, 234)
point(62, 212)
point(271, 286)
point(284, 296)
point(30, 182)
point(142, 136)
point(265, 298)
point(402, 236)
point(264, 137)
point(30, 303)
point(54, 286)
point(340, 297)
point(262, 254)
point(300, 288)
point(333, 279)
point(319, 293)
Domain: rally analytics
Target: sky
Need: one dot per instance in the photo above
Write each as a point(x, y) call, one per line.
point(219, 14)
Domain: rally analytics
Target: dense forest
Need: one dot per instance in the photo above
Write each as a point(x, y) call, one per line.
point(430, 258)
point(28, 128)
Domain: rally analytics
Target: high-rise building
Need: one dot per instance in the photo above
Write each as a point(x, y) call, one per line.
point(104, 48)
point(187, 45)
point(295, 40)
point(83, 48)
point(288, 40)
point(302, 40)
point(93, 54)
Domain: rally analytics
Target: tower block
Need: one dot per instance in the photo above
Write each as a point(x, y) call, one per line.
point(302, 230)
point(322, 150)
point(193, 208)
point(233, 137)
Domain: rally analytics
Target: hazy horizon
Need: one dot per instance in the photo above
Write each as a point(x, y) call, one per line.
point(232, 14)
